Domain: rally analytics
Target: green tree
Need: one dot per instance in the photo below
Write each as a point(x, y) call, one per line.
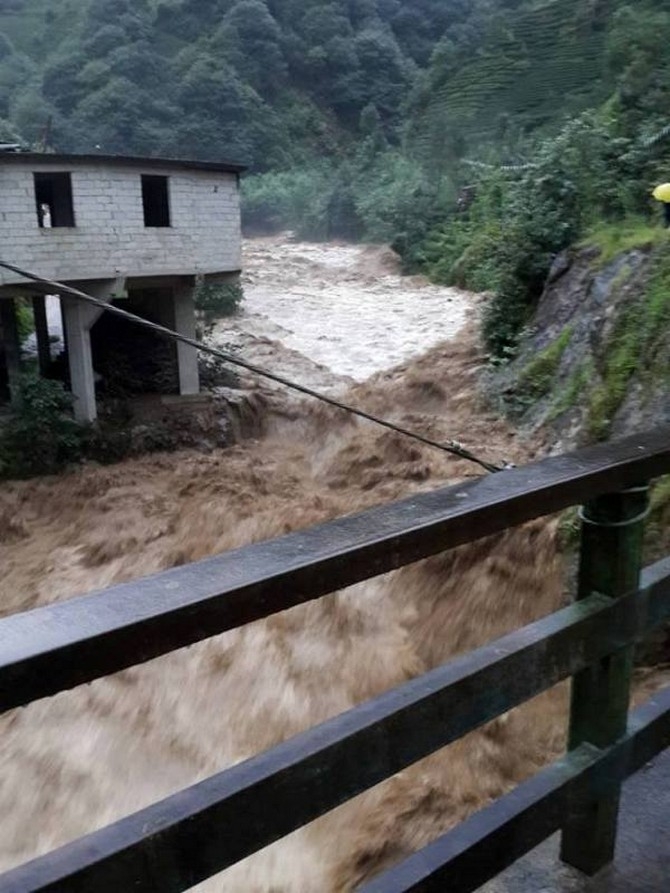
point(223, 111)
point(639, 57)
point(40, 436)
point(250, 40)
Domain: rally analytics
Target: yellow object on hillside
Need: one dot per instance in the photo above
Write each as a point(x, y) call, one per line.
point(662, 192)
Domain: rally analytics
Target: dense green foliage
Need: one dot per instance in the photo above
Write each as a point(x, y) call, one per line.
point(40, 436)
point(520, 64)
point(521, 220)
point(365, 118)
point(597, 168)
point(278, 83)
point(272, 82)
point(311, 91)
point(216, 299)
point(24, 318)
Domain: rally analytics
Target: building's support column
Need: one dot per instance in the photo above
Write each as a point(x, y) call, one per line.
point(79, 318)
point(184, 320)
point(42, 333)
point(10, 338)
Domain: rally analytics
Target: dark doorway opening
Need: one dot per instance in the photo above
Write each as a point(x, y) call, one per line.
point(155, 200)
point(130, 359)
point(53, 198)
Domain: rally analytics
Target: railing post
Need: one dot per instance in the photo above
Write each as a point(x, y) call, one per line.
point(610, 563)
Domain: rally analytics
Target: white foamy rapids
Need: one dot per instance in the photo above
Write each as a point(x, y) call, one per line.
point(345, 307)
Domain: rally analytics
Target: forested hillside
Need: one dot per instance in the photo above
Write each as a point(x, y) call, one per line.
point(278, 82)
point(267, 81)
point(366, 118)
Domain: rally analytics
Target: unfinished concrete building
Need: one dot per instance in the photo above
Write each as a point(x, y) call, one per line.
point(140, 231)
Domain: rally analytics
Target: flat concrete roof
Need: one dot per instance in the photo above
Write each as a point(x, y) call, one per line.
point(35, 158)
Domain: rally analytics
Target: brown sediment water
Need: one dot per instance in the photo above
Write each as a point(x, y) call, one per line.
point(80, 760)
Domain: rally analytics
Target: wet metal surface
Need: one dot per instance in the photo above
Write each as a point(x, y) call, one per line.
point(59, 646)
point(642, 860)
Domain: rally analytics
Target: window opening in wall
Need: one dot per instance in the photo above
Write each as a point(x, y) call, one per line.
point(53, 197)
point(155, 201)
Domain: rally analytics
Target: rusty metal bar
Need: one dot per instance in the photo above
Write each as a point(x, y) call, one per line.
point(610, 562)
point(63, 645)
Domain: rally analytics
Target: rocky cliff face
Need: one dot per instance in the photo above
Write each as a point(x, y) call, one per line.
point(595, 362)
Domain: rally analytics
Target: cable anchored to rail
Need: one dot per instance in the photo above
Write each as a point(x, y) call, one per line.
point(450, 446)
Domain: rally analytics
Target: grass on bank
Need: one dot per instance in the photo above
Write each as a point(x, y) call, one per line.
point(536, 379)
point(635, 347)
point(615, 238)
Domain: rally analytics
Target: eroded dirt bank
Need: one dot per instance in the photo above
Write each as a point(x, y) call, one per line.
point(86, 757)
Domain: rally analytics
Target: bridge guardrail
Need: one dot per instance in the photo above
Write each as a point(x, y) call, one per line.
point(185, 838)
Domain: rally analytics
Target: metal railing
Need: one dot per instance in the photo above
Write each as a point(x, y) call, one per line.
point(187, 837)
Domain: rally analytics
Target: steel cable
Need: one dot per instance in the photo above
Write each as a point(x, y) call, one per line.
point(450, 446)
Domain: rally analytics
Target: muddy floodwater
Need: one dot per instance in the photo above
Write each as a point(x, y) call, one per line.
point(341, 318)
point(344, 307)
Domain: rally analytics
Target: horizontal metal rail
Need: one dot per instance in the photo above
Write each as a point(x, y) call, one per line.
point(178, 842)
point(63, 645)
point(492, 839)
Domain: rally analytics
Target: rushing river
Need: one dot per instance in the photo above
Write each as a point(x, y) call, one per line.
point(344, 307)
point(330, 315)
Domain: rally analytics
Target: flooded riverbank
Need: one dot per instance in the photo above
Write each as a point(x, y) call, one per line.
point(84, 758)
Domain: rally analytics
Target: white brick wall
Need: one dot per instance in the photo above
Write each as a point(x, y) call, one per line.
point(110, 238)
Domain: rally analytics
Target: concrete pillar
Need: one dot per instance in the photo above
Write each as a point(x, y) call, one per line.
point(184, 321)
point(10, 339)
point(42, 333)
point(78, 318)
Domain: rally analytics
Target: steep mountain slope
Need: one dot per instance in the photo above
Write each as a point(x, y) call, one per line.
point(365, 118)
point(532, 65)
point(265, 81)
point(279, 81)
point(595, 362)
